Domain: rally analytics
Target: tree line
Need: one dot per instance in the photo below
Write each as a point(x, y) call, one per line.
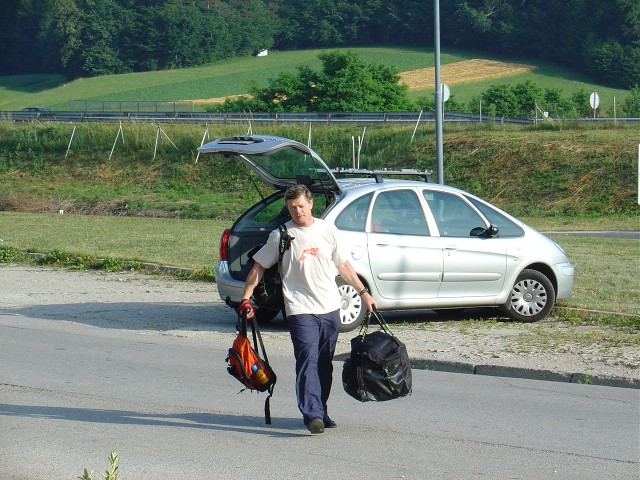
point(96, 37)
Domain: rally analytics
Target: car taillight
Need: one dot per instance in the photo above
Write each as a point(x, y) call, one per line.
point(223, 252)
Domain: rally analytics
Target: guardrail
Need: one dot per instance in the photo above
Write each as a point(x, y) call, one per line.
point(257, 118)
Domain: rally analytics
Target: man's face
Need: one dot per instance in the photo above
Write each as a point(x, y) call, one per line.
point(300, 211)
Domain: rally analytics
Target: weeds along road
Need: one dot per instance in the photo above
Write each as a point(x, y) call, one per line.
point(92, 363)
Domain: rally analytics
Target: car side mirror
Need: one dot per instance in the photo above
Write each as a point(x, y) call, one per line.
point(482, 232)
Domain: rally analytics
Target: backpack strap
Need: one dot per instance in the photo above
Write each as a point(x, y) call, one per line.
point(285, 243)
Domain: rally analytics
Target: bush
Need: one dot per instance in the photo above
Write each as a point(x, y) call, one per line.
point(631, 106)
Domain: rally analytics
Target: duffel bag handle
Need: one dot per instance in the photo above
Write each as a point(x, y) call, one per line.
point(381, 321)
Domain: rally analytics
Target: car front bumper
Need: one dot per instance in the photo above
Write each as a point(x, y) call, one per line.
point(565, 274)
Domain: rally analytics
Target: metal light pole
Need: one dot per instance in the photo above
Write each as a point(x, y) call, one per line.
point(438, 96)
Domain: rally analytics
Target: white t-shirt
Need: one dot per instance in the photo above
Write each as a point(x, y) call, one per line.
point(308, 267)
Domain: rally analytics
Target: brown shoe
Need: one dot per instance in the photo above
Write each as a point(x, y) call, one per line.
point(316, 426)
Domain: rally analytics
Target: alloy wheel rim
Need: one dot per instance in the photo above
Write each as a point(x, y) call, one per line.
point(528, 297)
point(350, 304)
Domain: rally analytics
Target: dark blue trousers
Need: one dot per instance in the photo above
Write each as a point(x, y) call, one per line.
point(314, 340)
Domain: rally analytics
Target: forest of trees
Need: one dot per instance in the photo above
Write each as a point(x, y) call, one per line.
point(95, 37)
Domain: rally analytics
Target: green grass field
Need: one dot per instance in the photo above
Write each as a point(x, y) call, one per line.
point(232, 77)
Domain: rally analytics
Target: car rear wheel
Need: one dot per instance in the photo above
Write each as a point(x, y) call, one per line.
point(352, 310)
point(532, 297)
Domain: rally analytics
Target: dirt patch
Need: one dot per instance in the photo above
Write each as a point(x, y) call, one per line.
point(460, 72)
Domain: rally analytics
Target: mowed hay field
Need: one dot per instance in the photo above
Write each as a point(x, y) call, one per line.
point(461, 72)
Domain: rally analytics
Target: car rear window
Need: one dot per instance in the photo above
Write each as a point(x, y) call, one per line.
point(272, 212)
point(289, 163)
point(354, 216)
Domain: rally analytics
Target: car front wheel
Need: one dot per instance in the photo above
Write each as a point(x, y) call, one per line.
point(532, 297)
point(352, 310)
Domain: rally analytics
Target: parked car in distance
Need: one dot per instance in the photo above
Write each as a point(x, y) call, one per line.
point(36, 109)
point(414, 244)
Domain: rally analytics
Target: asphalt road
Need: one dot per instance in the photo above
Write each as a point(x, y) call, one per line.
point(631, 234)
point(72, 390)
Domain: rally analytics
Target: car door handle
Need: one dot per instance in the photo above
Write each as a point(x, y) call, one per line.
point(382, 243)
point(450, 249)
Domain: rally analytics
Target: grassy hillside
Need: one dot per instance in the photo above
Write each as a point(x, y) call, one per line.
point(235, 76)
point(569, 172)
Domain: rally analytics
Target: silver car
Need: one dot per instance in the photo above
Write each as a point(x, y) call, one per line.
point(414, 244)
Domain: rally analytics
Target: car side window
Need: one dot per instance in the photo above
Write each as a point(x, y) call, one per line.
point(399, 212)
point(454, 216)
point(506, 228)
point(354, 216)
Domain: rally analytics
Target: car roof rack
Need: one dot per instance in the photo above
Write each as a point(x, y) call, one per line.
point(378, 174)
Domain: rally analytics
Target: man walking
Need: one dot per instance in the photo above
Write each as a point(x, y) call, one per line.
point(311, 298)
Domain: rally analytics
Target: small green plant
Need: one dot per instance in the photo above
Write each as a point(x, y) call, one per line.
point(110, 474)
point(586, 380)
point(9, 254)
point(53, 257)
point(107, 264)
point(205, 274)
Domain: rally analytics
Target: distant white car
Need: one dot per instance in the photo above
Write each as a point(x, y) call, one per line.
point(414, 244)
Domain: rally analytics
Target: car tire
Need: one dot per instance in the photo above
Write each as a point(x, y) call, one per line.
point(532, 297)
point(352, 311)
point(265, 316)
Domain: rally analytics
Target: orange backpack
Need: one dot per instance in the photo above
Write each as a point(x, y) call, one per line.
point(245, 364)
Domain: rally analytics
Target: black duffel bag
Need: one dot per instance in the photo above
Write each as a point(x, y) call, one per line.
point(378, 368)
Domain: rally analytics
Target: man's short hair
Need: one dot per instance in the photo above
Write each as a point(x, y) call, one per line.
point(296, 191)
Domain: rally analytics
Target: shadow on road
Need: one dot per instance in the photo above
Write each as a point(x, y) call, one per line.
point(282, 427)
point(135, 315)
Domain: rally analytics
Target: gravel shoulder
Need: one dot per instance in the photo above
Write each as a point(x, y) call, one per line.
point(162, 305)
